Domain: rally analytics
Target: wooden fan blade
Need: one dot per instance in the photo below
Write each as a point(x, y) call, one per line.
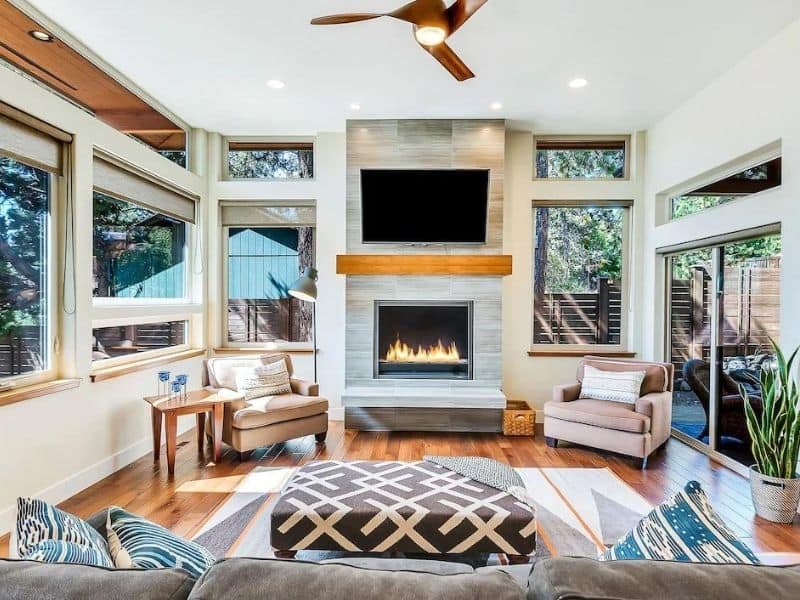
point(423, 12)
point(345, 18)
point(460, 12)
point(450, 61)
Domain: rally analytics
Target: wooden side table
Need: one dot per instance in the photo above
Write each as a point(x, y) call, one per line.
point(198, 403)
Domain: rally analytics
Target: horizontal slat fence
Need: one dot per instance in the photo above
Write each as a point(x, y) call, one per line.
point(590, 318)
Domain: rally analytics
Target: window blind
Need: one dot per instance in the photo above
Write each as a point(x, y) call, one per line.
point(29, 140)
point(124, 182)
point(292, 213)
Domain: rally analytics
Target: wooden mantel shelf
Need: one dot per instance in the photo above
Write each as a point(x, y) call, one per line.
point(424, 264)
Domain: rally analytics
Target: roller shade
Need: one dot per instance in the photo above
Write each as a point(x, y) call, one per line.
point(296, 213)
point(31, 141)
point(234, 146)
point(582, 203)
point(118, 181)
point(552, 144)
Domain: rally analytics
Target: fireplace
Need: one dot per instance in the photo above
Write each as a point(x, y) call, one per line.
point(423, 340)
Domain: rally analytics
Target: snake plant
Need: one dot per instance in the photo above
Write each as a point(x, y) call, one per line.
point(775, 431)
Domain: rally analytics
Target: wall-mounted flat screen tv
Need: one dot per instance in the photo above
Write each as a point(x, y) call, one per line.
point(424, 206)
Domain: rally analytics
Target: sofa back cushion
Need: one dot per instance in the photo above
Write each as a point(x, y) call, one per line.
point(585, 578)
point(657, 379)
point(29, 580)
point(222, 369)
point(257, 579)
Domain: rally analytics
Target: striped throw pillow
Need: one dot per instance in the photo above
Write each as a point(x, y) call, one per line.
point(614, 386)
point(59, 551)
point(685, 528)
point(264, 380)
point(38, 522)
point(138, 543)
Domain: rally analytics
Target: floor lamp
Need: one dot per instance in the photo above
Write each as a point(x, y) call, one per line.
point(305, 289)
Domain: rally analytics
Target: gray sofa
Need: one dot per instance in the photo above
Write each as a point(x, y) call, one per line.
point(368, 579)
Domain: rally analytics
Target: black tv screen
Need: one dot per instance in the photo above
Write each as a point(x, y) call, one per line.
point(405, 206)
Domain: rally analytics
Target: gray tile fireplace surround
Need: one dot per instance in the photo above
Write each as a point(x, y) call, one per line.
point(423, 404)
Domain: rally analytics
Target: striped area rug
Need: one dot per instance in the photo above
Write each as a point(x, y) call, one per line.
point(579, 512)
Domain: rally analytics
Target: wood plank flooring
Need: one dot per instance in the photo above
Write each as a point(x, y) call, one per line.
point(184, 502)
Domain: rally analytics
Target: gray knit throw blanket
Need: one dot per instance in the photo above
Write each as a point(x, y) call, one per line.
point(486, 471)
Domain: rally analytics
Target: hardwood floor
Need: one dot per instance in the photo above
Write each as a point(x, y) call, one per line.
point(144, 488)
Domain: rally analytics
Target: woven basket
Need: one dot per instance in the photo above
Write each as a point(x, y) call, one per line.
point(774, 499)
point(519, 419)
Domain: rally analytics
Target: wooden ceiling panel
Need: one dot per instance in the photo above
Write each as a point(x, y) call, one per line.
point(60, 67)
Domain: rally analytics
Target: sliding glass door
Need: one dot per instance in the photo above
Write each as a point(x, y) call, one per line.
point(723, 308)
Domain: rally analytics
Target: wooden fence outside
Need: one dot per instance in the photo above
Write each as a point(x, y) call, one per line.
point(264, 320)
point(750, 312)
point(590, 318)
point(20, 353)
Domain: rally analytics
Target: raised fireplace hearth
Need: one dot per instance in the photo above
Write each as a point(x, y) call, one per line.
point(423, 340)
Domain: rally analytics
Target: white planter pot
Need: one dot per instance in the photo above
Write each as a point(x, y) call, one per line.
point(774, 498)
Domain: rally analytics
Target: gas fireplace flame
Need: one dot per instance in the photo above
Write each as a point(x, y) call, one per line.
point(437, 353)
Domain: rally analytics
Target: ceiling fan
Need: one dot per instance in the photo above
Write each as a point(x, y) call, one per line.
point(433, 23)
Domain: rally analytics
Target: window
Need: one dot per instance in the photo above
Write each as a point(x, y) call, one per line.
point(764, 176)
point(264, 257)
point(579, 273)
point(138, 253)
point(31, 154)
point(142, 293)
point(568, 158)
point(270, 160)
point(25, 196)
point(128, 340)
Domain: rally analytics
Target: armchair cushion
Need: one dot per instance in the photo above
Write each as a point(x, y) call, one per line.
point(264, 380)
point(599, 413)
point(277, 409)
point(614, 386)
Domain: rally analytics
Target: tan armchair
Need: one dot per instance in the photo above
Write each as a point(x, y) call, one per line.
point(635, 430)
point(248, 425)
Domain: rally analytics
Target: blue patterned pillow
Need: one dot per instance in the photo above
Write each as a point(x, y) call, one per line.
point(38, 521)
point(59, 551)
point(137, 543)
point(685, 528)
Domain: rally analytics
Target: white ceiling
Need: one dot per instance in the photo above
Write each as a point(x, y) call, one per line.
point(208, 61)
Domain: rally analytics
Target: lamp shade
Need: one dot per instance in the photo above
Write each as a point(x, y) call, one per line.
point(305, 288)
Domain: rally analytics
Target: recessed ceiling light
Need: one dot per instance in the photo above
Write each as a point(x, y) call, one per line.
point(496, 106)
point(42, 36)
point(276, 84)
point(355, 106)
point(578, 82)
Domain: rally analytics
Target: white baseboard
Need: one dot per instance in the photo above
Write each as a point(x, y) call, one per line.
point(68, 487)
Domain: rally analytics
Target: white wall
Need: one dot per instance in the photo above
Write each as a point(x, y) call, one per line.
point(56, 445)
point(532, 378)
point(755, 103)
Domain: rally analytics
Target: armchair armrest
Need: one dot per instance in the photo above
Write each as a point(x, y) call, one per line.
point(567, 392)
point(303, 387)
point(657, 406)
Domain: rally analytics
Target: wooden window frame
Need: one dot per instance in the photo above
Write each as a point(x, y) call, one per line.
point(586, 140)
point(278, 143)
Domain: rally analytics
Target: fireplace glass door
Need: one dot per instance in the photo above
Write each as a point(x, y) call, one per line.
point(423, 340)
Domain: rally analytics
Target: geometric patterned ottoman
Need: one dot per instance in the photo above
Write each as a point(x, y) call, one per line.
point(414, 507)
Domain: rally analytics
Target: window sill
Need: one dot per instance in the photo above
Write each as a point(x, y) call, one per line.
point(37, 390)
point(291, 349)
point(101, 374)
point(581, 353)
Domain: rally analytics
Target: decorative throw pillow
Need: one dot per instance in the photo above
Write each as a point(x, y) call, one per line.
point(685, 528)
point(264, 380)
point(615, 386)
point(59, 551)
point(38, 521)
point(138, 543)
